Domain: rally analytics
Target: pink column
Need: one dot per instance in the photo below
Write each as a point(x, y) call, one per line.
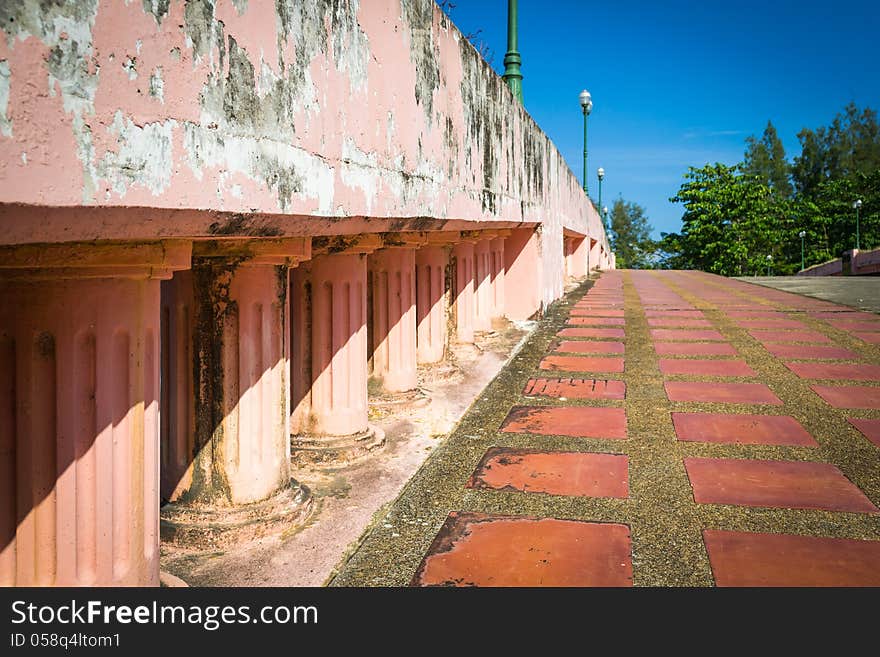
point(79, 413)
point(329, 368)
point(576, 263)
point(393, 313)
point(595, 255)
point(178, 409)
point(522, 260)
point(498, 275)
point(483, 285)
point(431, 303)
point(463, 294)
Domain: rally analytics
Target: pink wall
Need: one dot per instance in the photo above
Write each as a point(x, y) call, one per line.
point(277, 124)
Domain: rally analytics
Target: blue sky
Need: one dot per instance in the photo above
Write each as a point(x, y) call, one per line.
point(680, 83)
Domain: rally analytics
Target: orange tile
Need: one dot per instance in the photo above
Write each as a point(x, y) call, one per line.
point(706, 367)
point(576, 388)
point(577, 474)
point(578, 320)
point(721, 393)
point(474, 549)
point(741, 429)
point(747, 559)
point(869, 428)
point(810, 352)
point(581, 332)
point(682, 335)
point(577, 421)
point(581, 364)
point(589, 347)
point(694, 349)
point(778, 484)
point(788, 336)
point(841, 371)
point(849, 396)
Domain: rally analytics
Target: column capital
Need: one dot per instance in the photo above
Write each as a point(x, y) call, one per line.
point(138, 260)
point(408, 240)
point(284, 251)
point(348, 244)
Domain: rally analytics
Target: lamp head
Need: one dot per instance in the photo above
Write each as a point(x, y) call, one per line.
point(586, 101)
point(857, 204)
point(601, 173)
point(802, 234)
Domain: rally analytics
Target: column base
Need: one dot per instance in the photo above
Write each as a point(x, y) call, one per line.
point(211, 528)
point(331, 452)
point(399, 401)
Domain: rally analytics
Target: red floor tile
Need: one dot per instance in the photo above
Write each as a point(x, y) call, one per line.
point(788, 336)
point(777, 484)
point(588, 347)
point(849, 396)
point(577, 421)
point(577, 474)
point(741, 429)
point(680, 314)
point(870, 428)
point(721, 393)
point(846, 314)
point(872, 338)
point(474, 549)
point(706, 367)
point(694, 349)
point(685, 335)
point(747, 559)
point(581, 312)
point(850, 325)
point(576, 388)
point(755, 313)
point(596, 321)
point(671, 322)
point(771, 323)
point(843, 371)
point(581, 364)
point(810, 352)
point(591, 333)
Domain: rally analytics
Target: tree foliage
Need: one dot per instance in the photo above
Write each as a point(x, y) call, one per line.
point(765, 161)
point(631, 236)
point(734, 217)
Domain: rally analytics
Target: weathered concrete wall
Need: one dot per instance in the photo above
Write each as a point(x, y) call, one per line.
point(858, 263)
point(291, 117)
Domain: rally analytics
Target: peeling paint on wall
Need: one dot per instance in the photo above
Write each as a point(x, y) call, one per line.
point(419, 16)
point(5, 123)
point(144, 156)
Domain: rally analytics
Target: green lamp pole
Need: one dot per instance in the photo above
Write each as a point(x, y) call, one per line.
point(512, 61)
point(600, 174)
point(605, 216)
point(857, 205)
point(769, 262)
point(802, 235)
point(587, 107)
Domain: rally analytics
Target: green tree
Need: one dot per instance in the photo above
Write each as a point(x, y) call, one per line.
point(765, 161)
point(847, 147)
point(631, 236)
point(731, 222)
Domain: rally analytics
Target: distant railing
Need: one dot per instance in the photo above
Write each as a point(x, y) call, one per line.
point(853, 263)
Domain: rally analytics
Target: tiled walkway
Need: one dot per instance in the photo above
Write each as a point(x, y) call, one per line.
point(667, 428)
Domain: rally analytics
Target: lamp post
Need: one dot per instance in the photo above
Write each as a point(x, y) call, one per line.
point(587, 107)
point(600, 173)
point(769, 262)
point(857, 205)
point(605, 216)
point(802, 235)
point(512, 60)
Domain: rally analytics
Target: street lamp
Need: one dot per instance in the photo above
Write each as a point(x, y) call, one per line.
point(802, 235)
point(512, 60)
point(605, 216)
point(769, 262)
point(857, 205)
point(587, 107)
point(600, 173)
